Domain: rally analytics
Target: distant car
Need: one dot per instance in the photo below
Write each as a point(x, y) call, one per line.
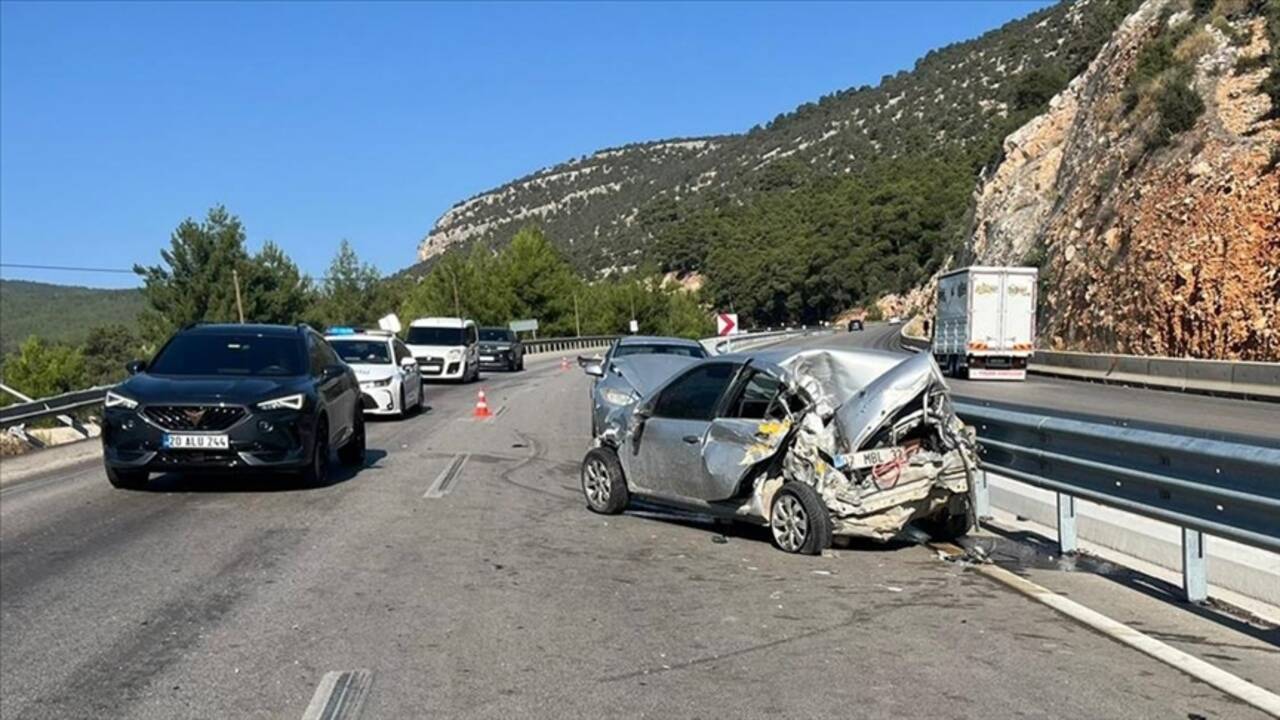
point(386, 369)
point(811, 443)
point(234, 398)
point(855, 325)
point(445, 348)
point(501, 348)
point(895, 320)
point(609, 389)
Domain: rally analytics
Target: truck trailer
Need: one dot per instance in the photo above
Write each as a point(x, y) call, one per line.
point(985, 327)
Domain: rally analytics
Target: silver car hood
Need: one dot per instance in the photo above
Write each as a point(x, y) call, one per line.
point(645, 373)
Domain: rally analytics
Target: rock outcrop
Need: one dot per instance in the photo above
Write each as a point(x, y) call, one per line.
point(1154, 248)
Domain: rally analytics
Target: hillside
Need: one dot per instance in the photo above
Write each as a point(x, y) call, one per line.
point(61, 312)
point(677, 203)
point(1149, 194)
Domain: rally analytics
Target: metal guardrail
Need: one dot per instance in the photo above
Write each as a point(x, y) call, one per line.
point(19, 413)
point(532, 347)
point(1227, 489)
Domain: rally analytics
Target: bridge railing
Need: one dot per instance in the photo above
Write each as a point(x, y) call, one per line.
point(587, 342)
point(1223, 488)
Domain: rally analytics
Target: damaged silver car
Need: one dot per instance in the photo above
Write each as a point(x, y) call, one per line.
point(812, 443)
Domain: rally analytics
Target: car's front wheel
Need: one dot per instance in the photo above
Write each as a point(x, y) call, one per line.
point(799, 520)
point(352, 453)
point(127, 479)
point(317, 471)
point(603, 482)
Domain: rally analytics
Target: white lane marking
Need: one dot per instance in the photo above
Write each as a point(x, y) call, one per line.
point(1236, 687)
point(339, 696)
point(445, 480)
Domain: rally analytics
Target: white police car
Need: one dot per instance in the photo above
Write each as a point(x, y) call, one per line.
point(387, 372)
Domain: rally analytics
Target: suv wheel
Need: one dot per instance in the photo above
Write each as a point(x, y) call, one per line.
point(799, 521)
point(353, 452)
point(127, 479)
point(317, 471)
point(603, 483)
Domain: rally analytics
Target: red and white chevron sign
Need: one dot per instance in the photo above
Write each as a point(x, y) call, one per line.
point(726, 323)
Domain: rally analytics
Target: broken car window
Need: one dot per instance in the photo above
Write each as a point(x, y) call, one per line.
point(695, 395)
point(757, 394)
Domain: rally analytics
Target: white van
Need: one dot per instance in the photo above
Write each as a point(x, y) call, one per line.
point(986, 324)
point(445, 348)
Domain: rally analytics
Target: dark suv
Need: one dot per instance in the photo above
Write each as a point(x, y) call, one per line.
point(234, 397)
point(501, 348)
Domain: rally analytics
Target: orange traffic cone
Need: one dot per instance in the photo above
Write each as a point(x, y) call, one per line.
point(482, 406)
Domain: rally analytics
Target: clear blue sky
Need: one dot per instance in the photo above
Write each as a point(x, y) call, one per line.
point(319, 121)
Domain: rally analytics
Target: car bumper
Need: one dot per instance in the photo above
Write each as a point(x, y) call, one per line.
point(381, 400)
point(449, 371)
point(131, 442)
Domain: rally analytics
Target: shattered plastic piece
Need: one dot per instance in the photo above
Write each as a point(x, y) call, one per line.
point(719, 539)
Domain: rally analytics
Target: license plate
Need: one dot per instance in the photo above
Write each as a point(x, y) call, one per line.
point(486, 358)
point(870, 458)
point(196, 442)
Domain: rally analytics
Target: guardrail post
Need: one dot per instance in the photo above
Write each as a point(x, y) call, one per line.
point(981, 496)
point(1195, 576)
point(1067, 542)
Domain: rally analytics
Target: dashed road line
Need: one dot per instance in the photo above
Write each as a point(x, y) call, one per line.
point(447, 478)
point(339, 696)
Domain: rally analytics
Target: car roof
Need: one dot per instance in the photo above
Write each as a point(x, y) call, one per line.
point(241, 329)
point(447, 322)
point(657, 340)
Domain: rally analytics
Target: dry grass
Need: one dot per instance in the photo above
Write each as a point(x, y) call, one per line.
point(1194, 46)
point(1231, 8)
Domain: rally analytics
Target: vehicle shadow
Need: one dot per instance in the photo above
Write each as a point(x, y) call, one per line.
point(245, 482)
point(721, 529)
point(393, 419)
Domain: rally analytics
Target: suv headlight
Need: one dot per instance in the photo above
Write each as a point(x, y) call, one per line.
point(114, 399)
point(376, 383)
point(455, 354)
point(288, 402)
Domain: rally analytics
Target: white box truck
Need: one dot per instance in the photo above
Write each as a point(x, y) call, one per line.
point(985, 326)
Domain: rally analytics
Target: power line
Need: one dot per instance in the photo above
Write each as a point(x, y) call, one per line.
point(64, 267)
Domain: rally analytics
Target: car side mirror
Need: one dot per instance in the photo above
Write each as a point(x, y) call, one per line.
point(594, 368)
point(331, 372)
point(135, 366)
point(408, 363)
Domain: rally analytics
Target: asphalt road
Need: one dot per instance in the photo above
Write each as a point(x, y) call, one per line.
point(1198, 415)
point(492, 592)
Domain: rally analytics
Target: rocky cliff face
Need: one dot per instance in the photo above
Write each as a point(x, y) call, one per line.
point(1150, 241)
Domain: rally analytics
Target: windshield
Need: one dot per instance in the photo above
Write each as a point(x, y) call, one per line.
point(693, 351)
point(436, 336)
point(496, 335)
point(369, 352)
point(247, 354)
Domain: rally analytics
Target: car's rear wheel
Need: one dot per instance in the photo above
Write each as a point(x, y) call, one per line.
point(603, 483)
point(352, 453)
point(127, 479)
point(799, 520)
point(317, 471)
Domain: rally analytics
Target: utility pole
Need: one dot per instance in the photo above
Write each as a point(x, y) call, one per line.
point(235, 277)
point(577, 321)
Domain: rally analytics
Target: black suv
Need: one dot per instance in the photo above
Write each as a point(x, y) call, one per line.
point(234, 397)
point(501, 348)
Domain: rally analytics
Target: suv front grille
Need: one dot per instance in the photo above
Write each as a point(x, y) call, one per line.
point(194, 417)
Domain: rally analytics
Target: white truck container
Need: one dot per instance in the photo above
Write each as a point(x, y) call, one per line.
point(985, 327)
